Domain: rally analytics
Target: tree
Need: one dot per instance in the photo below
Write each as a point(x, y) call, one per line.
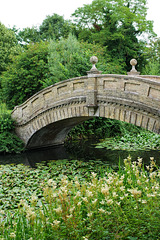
point(54, 27)
point(152, 55)
point(28, 35)
point(23, 77)
point(117, 24)
point(69, 58)
point(8, 47)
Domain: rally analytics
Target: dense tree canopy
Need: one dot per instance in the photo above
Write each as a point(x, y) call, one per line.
point(117, 24)
point(54, 27)
point(23, 77)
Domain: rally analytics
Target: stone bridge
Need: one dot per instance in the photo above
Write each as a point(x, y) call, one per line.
point(46, 118)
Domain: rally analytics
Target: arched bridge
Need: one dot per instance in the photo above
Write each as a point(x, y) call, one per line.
point(47, 117)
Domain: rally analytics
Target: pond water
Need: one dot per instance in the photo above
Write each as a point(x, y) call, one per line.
point(83, 150)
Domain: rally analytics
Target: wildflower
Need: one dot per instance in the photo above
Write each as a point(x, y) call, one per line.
point(143, 201)
point(115, 194)
point(89, 194)
point(118, 203)
point(101, 210)
point(85, 199)
point(58, 210)
point(30, 214)
point(12, 235)
point(89, 214)
point(72, 209)
point(52, 183)
point(55, 222)
point(121, 198)
point(147, 167)
point(34, 198)
point(105, 190)
point(77, 183)
point(69, 216)
point(122, 177)
point(135, 192)
point(78, 194)
point(79, 203)
point(138, 182)
point(109, 201)
point(109, 213)
point(94, 174)
point(122, 188)
point(102, 202)
point(85, 238)
point(94, 201)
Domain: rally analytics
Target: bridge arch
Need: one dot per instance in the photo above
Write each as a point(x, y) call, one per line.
point(47, 117)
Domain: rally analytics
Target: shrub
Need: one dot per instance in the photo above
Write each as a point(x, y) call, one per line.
point(9, 142)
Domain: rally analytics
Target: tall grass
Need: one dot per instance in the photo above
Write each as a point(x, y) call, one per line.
point(118, 205)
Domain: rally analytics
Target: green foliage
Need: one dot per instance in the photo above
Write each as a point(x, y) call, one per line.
point(8, 47)
point(117, 25)
point(23, 77)
point(143, 141)
point(58, 201)
point(152, 55)
point(54, 27)
point(69, 58)
point(102, 128)
point(29, 35)
point(9, 142)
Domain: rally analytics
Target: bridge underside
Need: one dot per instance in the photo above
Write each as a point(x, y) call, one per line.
point(54, 133)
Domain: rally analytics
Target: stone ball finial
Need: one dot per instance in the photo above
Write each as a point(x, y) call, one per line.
point(133, 62)
point(133, 71)
point(93, 70)
point(93, 59)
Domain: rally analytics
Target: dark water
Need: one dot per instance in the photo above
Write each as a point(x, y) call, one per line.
point(84, 150)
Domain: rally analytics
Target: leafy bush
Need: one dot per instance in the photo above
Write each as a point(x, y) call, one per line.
point(9, 142)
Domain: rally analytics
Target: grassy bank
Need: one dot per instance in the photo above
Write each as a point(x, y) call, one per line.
point(80, 200)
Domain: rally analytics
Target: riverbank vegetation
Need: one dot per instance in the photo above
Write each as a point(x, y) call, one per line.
point(116, 135)
point(80, 200)
point(9, 142)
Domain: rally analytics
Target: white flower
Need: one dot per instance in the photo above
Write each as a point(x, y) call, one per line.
point(102, 202)
point(79, 204)
point(101, 210)
point(58, 210)
point(105, 190)
point(122, 188)
point(89, 194)
point(109, 201)
point(12, 235)
point(94, 201)
point(56, 222)
point(94, 174)
point(85, 199)
point(89, 214)
point(115, 194)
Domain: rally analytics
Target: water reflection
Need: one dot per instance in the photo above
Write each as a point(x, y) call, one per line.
point(81, 150)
